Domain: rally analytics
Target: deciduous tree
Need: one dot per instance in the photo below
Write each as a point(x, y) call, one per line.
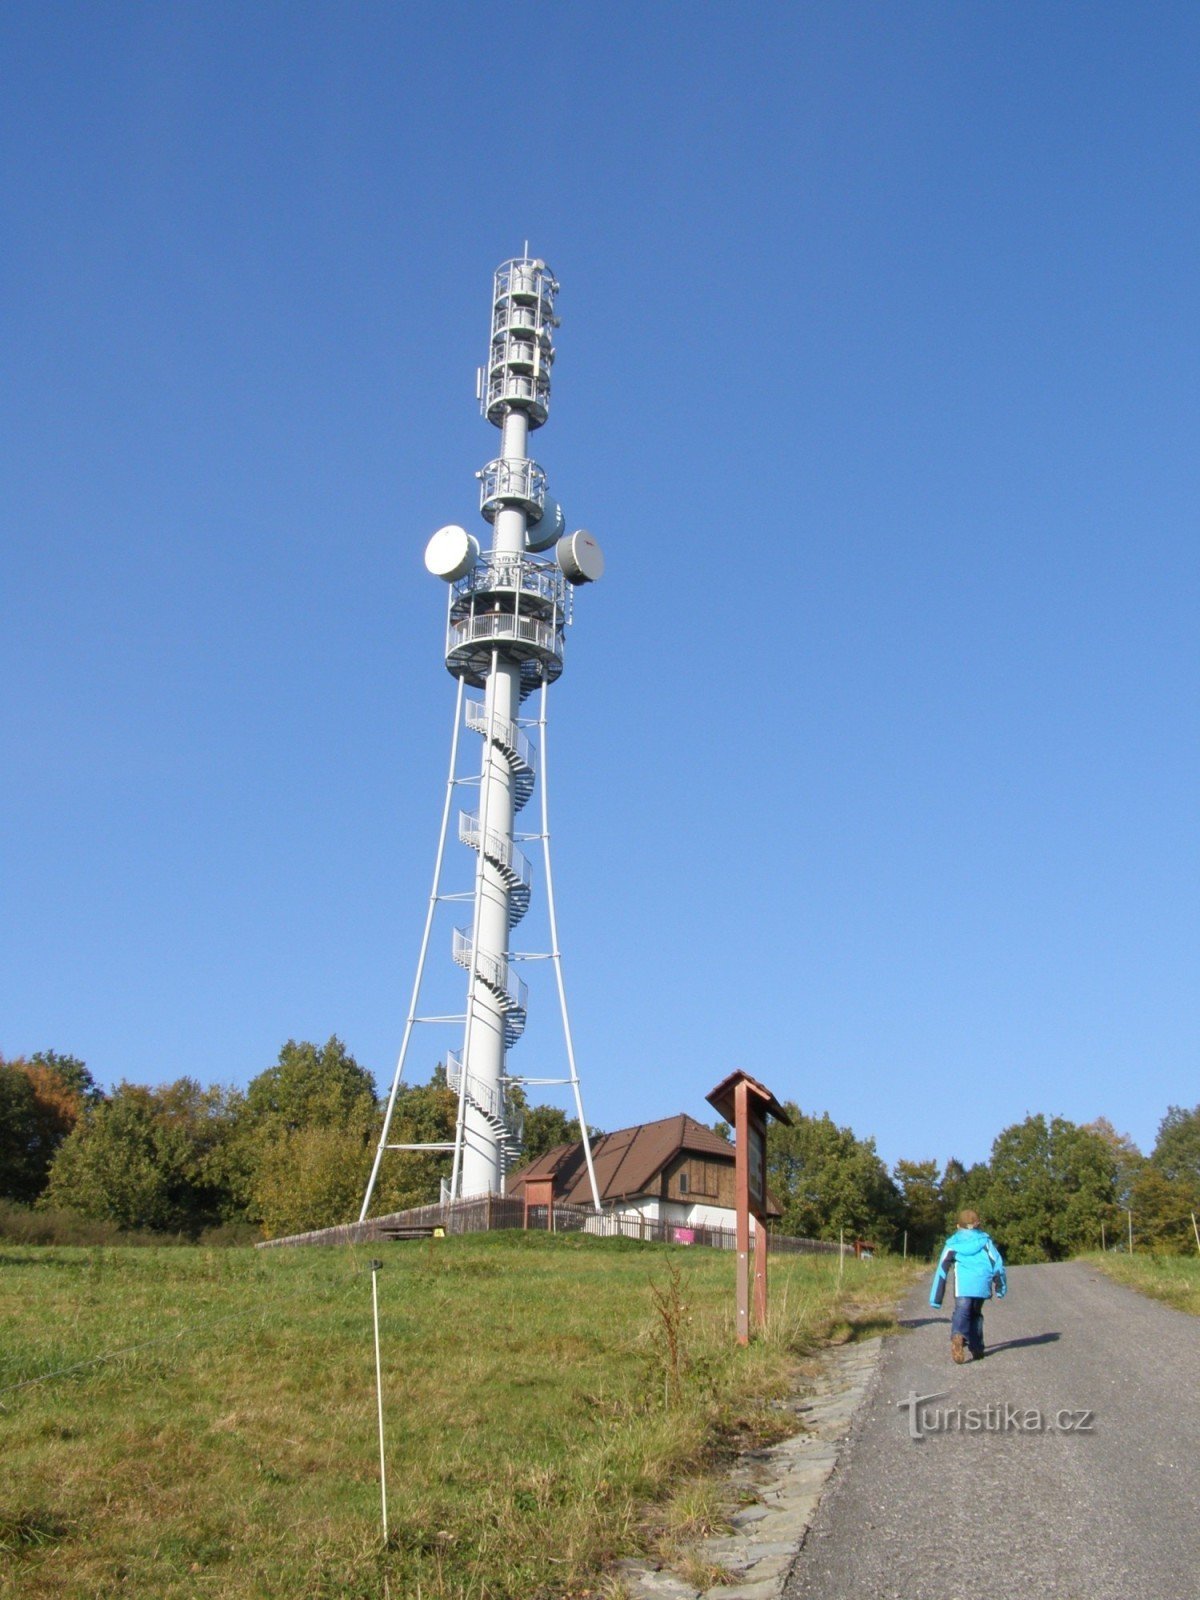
point(924, 1211)
point(36, 1116)
point(1052, 1183)
point(150, 1158)
point(825, 1180)
point(1176, 1151)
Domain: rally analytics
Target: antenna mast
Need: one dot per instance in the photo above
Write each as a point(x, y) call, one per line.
point(507, 612)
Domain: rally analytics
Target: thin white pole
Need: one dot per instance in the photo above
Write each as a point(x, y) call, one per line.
point(375, 1266)
point(460, 1127)
point(416, 990)
point(556, 953)
point(1103, 1240)
point(841, 1253)
point(906, 1244)
point(1129, 1214)
point(1196, 1230)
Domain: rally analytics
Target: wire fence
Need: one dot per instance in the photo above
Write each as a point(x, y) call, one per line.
point(490, 1213)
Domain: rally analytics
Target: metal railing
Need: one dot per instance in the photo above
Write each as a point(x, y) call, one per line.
point(505, 384)
point(523, 277)
point(520, 573)
point(528, 316)
point(483, 1095)
point(521, 348)
point(499, 849)
point(504, 732)
point(545, 636)
point(492, 969)
point(518, 480)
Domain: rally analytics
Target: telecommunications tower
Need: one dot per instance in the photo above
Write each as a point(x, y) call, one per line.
point(507, 612)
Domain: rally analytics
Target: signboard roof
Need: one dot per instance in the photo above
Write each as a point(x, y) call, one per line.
point(761, 1098)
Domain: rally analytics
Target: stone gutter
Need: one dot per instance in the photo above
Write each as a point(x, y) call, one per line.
point(786, 1481)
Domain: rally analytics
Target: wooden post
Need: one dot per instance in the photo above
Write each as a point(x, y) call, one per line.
point(1103, 1244)
point(746, 1104)
point(760, 1275)
point(841, 1253)
point(741, 1167)
point(906, 1244)
point(1129, 1214)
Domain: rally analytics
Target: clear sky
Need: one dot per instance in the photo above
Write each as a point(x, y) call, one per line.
point(876, 753)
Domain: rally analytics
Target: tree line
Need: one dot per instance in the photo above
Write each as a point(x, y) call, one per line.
point(1051, 1188)
point(293, 1150)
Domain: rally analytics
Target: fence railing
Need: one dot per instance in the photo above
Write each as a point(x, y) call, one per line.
point(489, 1213)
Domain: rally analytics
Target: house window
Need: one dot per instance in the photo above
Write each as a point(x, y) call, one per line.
point(683, 1182)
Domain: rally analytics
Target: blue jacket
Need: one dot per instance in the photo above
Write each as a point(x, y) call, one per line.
point(977, 1264)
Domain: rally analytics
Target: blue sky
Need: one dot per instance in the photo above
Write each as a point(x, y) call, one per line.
point(875, 756)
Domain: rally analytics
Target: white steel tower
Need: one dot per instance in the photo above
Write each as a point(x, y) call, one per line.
point(507, 613)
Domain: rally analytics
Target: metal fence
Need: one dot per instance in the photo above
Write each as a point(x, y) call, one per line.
point(490, 1213)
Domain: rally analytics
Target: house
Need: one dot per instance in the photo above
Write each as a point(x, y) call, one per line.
point(674, 1171)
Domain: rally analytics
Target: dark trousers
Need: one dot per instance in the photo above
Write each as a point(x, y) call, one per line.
point(968, 1320)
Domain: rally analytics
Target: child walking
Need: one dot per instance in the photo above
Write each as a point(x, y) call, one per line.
point(978, 1273)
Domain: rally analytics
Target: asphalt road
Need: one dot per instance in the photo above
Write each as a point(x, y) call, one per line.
point(1102, 1502)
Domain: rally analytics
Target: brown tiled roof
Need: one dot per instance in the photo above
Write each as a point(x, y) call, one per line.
point(627, 1163)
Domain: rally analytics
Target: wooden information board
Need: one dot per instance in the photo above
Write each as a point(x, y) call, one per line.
point(746, 1103)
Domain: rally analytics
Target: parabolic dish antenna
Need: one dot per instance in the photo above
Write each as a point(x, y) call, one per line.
point(549, 528)
point(451, 553)
point(580, 557)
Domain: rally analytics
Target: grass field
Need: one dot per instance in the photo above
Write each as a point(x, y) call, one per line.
point(538, 1425)
point(1175, 1279)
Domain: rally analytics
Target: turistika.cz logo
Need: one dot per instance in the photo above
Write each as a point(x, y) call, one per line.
point(924, 1417)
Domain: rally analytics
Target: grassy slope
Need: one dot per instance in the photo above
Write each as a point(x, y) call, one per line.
point(530, 1411)
point(1175, 1279)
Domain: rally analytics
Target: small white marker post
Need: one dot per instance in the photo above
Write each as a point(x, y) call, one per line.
point(1103, 1243)
point(1129, 1214)
point(375, 1266)
point(1196, 1230)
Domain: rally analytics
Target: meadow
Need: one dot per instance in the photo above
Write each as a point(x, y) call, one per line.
point(183, 1422)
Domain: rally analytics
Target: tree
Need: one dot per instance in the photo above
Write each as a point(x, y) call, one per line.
point(1052, 1184)
point(36, 1116)
point(1176, 1151)
point(924, 1211)
point(963, 1188)
point(150, 1158)
point(71, 1073)
point(313, 1177)
point(545, 1127)
point(825, 1180)
point(306, 1132)
point(1162, 1209)
point(309, 1086)
point(1128, 1158)
point(424, 1114)
point(22, 1171)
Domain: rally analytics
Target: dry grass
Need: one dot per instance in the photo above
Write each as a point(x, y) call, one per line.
point(225, 1445)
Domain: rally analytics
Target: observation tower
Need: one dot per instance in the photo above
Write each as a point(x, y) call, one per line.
point(507, 613)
